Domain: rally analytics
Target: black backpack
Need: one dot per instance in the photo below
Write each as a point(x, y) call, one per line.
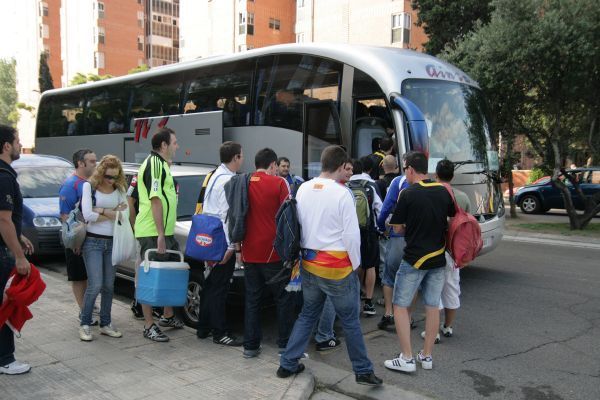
point(287, 232)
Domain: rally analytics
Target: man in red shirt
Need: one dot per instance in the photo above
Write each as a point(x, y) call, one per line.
point(263, 267)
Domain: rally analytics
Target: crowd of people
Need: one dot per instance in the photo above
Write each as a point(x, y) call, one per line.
point(360, 219)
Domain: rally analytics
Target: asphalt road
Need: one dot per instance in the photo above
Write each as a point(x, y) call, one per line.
point(528, 329)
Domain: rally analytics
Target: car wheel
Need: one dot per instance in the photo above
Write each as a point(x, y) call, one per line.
point(530, 204)
point(190, 312)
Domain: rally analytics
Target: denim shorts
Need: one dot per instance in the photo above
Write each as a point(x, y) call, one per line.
point(408, 280)
point(394, 253)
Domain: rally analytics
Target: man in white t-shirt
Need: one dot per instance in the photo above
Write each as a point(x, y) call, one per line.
point(330, 255)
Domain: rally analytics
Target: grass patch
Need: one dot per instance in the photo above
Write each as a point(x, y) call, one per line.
point(560, 228)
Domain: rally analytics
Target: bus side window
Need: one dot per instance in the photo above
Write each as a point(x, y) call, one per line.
point(226, 87)
point(282, 90)
point(157, 96)
point(61, 116)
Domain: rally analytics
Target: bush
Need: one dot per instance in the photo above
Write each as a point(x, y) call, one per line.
point(535, 174)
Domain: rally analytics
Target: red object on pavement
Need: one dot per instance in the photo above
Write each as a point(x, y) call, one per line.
point(23, 292)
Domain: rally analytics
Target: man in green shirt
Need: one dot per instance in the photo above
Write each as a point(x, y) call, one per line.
point(155, 221)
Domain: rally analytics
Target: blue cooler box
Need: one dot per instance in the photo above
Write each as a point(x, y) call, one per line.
point(162, 283)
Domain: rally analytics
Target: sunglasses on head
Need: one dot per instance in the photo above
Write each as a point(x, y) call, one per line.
point(114, 178)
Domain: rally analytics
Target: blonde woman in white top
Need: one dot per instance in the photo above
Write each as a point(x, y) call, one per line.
point(102, 197)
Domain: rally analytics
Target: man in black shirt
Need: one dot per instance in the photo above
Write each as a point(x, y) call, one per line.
point(13, 245)
point(422, 214)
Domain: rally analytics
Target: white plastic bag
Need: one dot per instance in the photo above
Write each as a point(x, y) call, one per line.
point(124, 248)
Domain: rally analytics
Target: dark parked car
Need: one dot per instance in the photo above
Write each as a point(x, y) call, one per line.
point(40, 178)
point(542, 196)
point(189, 180)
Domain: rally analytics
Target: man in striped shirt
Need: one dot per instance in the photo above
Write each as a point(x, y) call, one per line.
point(331, 253)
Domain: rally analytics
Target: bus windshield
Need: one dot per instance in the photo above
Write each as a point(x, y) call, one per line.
point(456, 120)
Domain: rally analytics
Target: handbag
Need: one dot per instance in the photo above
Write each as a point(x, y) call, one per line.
point(124, 245)
point(73, 230)
point(206, 240)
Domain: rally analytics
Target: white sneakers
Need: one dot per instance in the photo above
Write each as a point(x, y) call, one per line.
point(437, 337)
point(109, 330)
point(426, 361)
point(400, 364)
point(446, 331)
point(85, 332)
point(15, 368)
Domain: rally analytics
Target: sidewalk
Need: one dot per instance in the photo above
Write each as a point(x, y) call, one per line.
point(133, 367)
point(64, 367)
point(513, 232)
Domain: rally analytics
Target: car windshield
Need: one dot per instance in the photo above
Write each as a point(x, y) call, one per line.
point(189, 189)
point(456, 119)
point(42, 182)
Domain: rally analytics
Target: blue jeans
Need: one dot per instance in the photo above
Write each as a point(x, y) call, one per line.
point(97, 255)
point(7, 338)
point(325, 327)
point(344, 295)
point(258, 278)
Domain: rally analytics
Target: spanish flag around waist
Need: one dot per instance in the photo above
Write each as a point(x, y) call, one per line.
point(328, 264)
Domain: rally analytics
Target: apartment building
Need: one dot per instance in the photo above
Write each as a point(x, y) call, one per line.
point(371, 22)
point(210, 27)
point(161, 32)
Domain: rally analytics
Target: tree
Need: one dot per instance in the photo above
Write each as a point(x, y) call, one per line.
point(537, 61)
point(139, 68)
point(8, 92)
point(45, 77)
point(80, 78)
point(449, 20)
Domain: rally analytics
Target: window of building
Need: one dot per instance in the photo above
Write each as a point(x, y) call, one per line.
point(101, 35)
point(300, 37)
point(140, 43)
point(100, 10)
point(99, 59)
point(45, 31)
point(300, 3)
point(242, 23)
point(401, 28)
point(44, 9)
point(250, 24)
point(274, 24)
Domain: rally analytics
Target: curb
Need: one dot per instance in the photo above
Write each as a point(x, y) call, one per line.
point(341, 381)
point(553, 240)
point(301, 387)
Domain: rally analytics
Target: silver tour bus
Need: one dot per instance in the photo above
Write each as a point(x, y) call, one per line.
point(296, 99)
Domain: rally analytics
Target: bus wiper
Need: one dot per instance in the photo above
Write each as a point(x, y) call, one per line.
point(465, 162)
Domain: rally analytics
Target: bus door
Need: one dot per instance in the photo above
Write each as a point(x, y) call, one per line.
point(321, 128)
point(199, 137)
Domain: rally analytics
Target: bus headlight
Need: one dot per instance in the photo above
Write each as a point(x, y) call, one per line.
point(46, 222)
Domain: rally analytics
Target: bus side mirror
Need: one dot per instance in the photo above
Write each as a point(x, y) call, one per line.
point(415, 121)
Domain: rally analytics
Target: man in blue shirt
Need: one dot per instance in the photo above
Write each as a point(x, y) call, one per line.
point(70, 195)
point(283, 170)
point(394, 249)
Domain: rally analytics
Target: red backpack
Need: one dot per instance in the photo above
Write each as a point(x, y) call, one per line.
point(463, 240)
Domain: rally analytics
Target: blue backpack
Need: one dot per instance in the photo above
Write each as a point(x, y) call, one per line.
point(206, 240)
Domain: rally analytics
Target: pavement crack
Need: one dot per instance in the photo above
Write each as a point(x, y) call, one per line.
point(539, 346)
